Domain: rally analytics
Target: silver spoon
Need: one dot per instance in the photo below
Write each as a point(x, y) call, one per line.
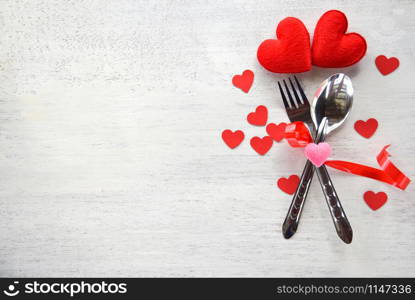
point(329, 109)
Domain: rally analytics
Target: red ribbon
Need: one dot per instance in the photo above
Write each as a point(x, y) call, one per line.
point(298, 135)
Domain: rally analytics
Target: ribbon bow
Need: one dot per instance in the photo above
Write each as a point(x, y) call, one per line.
point(298, 135)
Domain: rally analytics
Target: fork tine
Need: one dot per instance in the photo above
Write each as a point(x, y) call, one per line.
point(287, 106)
point(295, 92)
point(303, 96)
point(293, 104)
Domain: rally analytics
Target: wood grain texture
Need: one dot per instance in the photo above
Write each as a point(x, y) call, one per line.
point(111, 160)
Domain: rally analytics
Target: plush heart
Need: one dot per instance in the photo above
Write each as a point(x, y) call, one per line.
point(375, 200)
point(244, 81)
point(317, 154)
point(261, 145)
point(233, 139)
point(277, 132)
point(366, 129)
point(259, 117)
point(290, 53)
point(386, 65)
point(289, 185)
point(332, 47)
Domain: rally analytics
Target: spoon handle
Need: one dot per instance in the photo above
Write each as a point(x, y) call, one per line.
point(343, 228)
point(289, 227)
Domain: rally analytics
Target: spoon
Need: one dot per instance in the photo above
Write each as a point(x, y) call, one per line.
point(329, 109)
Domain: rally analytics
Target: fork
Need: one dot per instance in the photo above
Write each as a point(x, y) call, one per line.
point(297, 110)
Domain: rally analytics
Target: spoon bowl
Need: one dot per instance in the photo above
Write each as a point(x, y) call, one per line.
point(333, 100)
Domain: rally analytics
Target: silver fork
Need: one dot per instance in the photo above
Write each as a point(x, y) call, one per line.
point(297, 110)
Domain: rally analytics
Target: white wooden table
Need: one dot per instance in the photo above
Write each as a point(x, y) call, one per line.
point(111, 159)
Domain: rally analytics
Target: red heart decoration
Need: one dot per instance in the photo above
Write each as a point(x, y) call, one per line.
point(233, 139)
point(244, 81)
point(375, 200)
point(259, 117)
point(366, 129)
point(261, 145)
point(289, 185)
point(386, 65)
point(332, 47)
point(290, 53)
point(277, 132)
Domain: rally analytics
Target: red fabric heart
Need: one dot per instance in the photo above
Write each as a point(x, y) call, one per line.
point(289, 185)
point(261, 145)
point(233, 139)
point(290, 53)
point(244, 81)
point(277, 132)
point(332, 47)
point(366, 129)
point(259, 117)
point(386, 65)
point(375, 200)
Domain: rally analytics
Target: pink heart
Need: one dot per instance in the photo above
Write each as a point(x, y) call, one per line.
point(317, 154)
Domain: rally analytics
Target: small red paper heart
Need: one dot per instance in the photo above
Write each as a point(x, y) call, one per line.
point(332, 47)
point(233, 139)
point(290, 53)
point(244, 81)
point(366, 129)
point(277, 132)
point(259, 117)
point(289, 185)
point(386, 65)
point(261, 145)
point(375, 200)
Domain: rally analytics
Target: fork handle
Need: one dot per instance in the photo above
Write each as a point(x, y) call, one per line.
point(289, 227)
point(342, 225)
